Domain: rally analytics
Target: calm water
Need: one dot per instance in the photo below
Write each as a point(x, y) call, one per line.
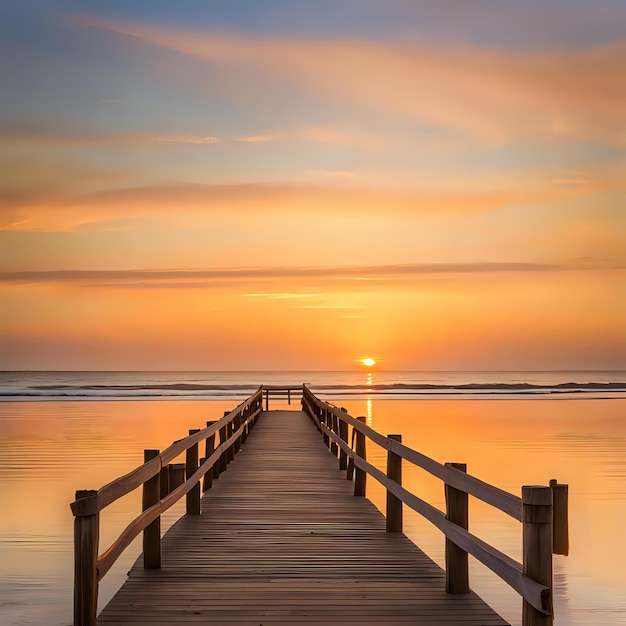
point(50, 448)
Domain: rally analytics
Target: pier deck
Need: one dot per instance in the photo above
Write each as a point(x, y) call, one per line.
point(282, 539)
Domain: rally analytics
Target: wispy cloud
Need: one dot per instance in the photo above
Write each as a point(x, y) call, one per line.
point(188, 139)
point(199, 277)
point(32, 135)
point(43, 209)
point(494, 95)
point(260, 138)
point(40, 136)
point(282, 296)
point(340, 136)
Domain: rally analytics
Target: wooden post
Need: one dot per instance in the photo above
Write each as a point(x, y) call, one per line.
point(324, 420)
point(267, 399)
point(246, 414)
point(537, 549)
point(394, 504)
point(350, 472)
point(343, 435)
point(560, 524)
point(209, 447)
point(360, 475)
point(236, 424)
point(457, 511)
point(288, 396)
point(221, 465)
point(176, 475)
point(164, 481)
point(86, 535)
point(230, 452)
point(191, 465)
point(334, 427)
point(152, 533)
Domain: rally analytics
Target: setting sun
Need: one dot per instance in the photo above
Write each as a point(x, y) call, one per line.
point(369, 362)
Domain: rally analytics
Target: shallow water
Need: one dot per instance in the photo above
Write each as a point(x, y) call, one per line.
point(50, 449)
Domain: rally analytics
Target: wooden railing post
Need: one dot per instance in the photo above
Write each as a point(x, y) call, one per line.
point(191, 465)
point(359, 474)
point(457, 573)
point(236, 424)
point(343, 434)
point(176, 475)
point(246, 414)
point(537, 550)
point(220, 466)
point(230, 451)
point(324, 420)
point(152, 533)
point(267, 399)
point(86, 536)
point(394, 504)
point(560, 524)
point(164, 481)
point(350, 472)
point(333, 426)
point(209, 447)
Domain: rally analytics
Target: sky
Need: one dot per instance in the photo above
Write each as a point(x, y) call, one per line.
point(284, 184)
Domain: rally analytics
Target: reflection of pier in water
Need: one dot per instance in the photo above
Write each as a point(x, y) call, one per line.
point(280, 537)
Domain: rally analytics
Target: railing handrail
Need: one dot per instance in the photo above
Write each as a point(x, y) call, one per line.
point(534, 592)
point(532, 579)
point(503, 500)
point(123, 485)
point(142, 521)
point(281, 390)
point(283, 387)
point(90, 567)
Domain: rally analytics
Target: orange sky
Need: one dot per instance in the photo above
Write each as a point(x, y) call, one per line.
point(230, 189)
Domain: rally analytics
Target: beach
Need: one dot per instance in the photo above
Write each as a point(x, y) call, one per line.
point(52, 447)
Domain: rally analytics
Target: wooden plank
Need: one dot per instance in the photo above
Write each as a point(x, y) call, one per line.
point(282, 540)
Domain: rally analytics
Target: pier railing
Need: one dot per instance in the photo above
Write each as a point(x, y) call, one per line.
point(163, 484)
point(542, 510)
point(281, 391)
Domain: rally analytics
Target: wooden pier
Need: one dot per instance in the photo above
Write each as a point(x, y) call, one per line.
point(281, 538)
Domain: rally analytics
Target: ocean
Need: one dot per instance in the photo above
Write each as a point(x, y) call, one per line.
point(239, 385)
point(63, 431)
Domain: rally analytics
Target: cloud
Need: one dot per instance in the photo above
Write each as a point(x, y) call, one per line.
point(51, 209)
point(340, 136)
point(29, 135)
point(260, 138)
point(342, 274)
point(493, 95)
point(188, 139)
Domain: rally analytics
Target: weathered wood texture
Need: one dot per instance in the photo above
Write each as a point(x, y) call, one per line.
point(281, 539)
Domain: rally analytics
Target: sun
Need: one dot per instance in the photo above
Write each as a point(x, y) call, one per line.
point(369, 362)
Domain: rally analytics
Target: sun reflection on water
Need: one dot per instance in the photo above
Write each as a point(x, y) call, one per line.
point(369, 382)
